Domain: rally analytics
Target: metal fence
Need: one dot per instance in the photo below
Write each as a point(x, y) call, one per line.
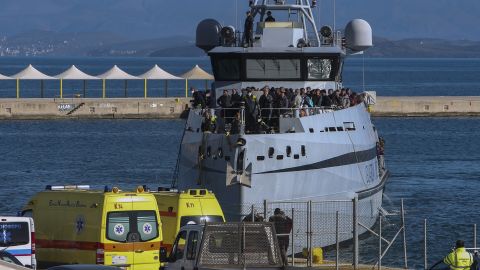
point(330, 232)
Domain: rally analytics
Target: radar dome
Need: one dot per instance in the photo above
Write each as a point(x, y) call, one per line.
point(208, 34)
point(358, 35)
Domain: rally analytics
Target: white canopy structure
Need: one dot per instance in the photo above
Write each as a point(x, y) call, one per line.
point(156, 73)
point(73, 73)
point(196, 73)
point(115, 73)
point(30, 73)
point(3, 77)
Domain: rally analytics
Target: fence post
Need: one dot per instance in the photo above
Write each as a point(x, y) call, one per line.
point(355, 232)
point(293, 237)
point(404, 236)
point(379, 241)
point(310, 235)
point(425, 244)
point(253, 213)
point(265, 210)
point(337, 243)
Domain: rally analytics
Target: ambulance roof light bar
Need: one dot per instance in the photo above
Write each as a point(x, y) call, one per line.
point(68, 187)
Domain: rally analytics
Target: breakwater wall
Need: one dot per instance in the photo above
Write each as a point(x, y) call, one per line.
point(168, 108)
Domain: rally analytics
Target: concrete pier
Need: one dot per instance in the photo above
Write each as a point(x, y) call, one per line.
point(108, 108)
point(427, 106)
point(168, 108)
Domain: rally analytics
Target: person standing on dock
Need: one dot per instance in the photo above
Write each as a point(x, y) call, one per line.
point(283, 226)
point(459, 258)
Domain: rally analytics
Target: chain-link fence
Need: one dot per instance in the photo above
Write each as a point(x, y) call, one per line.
point(330, 232)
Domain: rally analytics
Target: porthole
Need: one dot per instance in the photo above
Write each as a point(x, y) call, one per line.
point(260, 158)
point(296, 156)
point(271, 151)
point(279, 157)
point(311, 130)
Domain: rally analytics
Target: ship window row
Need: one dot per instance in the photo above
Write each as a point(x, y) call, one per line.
point(275, 67)
point(347, 126)
point(288, 152)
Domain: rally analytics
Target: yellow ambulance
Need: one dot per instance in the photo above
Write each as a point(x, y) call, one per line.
point(179, 208)
point(76, 225)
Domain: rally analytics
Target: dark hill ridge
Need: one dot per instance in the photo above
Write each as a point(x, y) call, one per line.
point(48, 43)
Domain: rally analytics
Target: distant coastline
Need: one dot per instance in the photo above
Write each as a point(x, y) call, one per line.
point(47, 43)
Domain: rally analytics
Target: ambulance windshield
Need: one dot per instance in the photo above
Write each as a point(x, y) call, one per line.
point(132, 226)
point(14, 234)
point(199, 219)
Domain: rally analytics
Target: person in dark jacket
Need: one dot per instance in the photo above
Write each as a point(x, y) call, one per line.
point(269, 18)
point(198, 99)
point(283, 226)
point(236, 99)
point(251, 110)
point(248, 35)
point(326, 101)
point(225, 102)
point(266, 104)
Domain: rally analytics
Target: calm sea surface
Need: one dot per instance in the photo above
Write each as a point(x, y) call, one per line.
point(434, 161)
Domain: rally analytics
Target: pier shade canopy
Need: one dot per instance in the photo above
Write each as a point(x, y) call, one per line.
point(156, 73)
point(115, 73)
point(196, 73)
point(3, 77)
point(73, 73)
point(31, 73)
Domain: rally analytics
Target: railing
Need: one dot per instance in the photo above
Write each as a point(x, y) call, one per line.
point(260, 121)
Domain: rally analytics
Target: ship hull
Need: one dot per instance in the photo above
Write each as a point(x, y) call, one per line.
point(332, 156)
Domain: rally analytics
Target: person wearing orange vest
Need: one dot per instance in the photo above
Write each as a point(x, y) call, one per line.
point(459, 258)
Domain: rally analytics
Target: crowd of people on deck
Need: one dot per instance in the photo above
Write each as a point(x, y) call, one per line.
point(264, 106)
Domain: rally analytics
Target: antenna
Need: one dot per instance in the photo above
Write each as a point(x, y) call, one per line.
point(334, 15)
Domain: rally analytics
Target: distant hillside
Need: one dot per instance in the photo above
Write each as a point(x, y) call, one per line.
point(427, 48)
point(47, 43)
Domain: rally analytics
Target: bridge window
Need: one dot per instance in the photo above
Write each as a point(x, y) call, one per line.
point(226, 69)
point(322, 69)
point(272, 69)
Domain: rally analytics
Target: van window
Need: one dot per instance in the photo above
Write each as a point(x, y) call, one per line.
point(192, 245)
point(179, 246)
point(14, 234)
point(199, 219)
point(147, 225)
point(132, 226)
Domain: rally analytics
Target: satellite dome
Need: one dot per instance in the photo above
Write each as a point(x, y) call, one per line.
point(358, 35)
point(208, 34)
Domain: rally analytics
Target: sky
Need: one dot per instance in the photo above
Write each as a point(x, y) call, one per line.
point(144, 19)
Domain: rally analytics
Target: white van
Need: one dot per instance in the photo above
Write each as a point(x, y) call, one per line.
point(17, 237)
